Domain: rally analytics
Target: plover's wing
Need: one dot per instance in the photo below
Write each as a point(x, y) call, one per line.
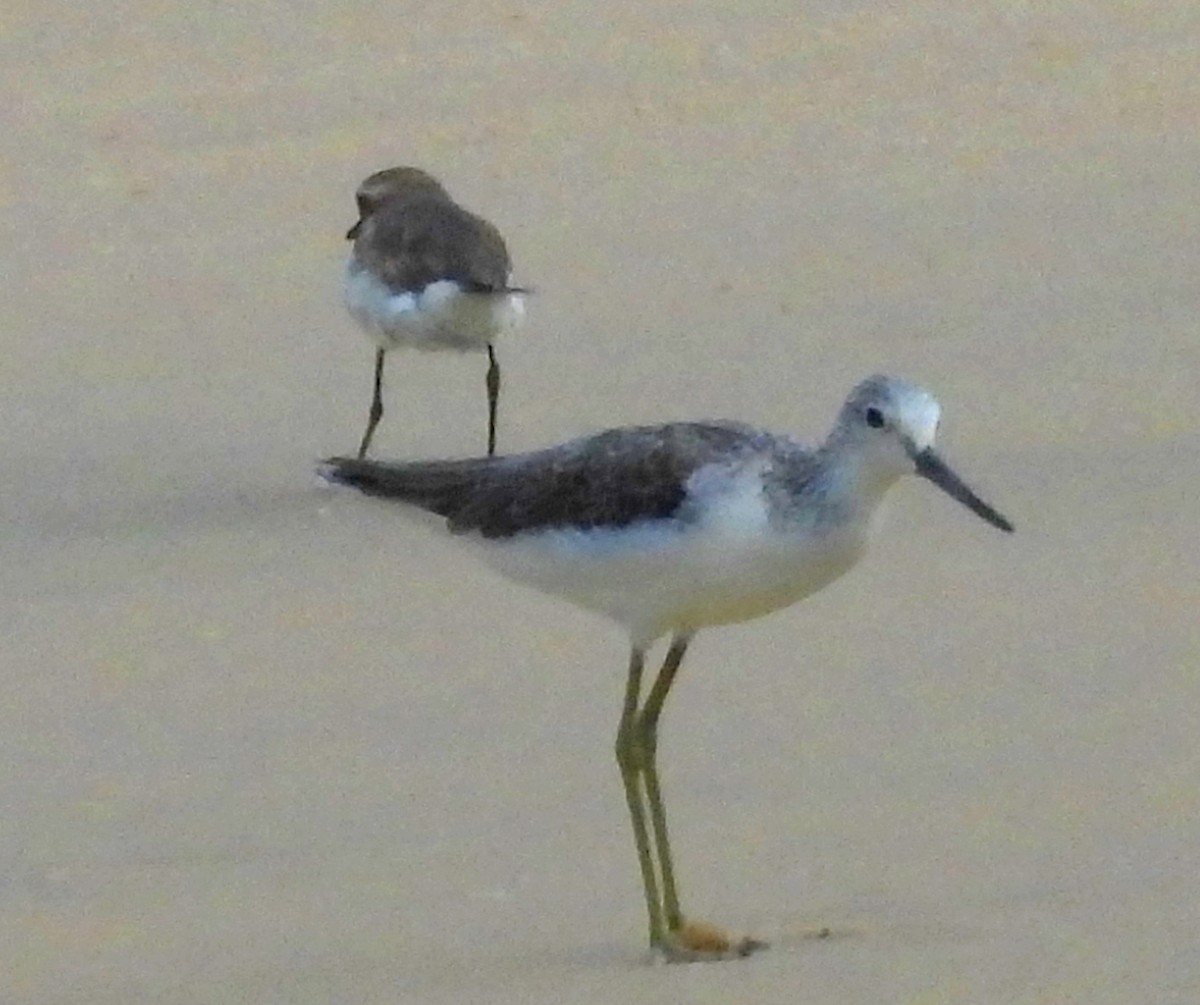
point(609, 480)
point(412, 243)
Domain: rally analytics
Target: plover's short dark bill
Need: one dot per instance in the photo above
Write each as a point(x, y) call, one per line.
point(669, 529)
point(428, 274)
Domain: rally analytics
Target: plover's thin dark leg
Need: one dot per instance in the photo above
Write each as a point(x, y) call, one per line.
point(493, 393)
point(376, 412)
point(647, 726)
point(630, 759)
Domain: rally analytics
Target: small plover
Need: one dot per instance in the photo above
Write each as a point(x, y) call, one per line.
point(427, 274)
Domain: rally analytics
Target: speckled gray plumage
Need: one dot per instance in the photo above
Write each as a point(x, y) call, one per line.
point(612, 479)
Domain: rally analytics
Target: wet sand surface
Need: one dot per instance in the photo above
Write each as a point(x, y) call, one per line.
point(265, 742)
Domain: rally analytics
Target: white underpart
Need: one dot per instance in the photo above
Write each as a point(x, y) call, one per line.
point(661, 576)
point(440, 317)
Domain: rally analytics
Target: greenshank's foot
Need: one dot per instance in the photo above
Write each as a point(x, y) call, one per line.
point(698, 941)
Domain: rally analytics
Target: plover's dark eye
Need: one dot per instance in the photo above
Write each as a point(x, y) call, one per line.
point(874, 417)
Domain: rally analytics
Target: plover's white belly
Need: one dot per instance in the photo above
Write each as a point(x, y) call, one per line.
point(440, 317)
point(660, 577)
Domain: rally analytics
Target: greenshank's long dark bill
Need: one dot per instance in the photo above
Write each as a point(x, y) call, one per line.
point(427, 274)
point(670, 529)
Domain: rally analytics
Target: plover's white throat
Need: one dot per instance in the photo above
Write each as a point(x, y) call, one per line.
point(669, 529)
point(427, 274)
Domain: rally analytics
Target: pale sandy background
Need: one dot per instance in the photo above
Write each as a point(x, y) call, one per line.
point(264, 743)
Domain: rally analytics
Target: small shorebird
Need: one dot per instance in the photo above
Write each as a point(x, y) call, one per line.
point(426, 273)
point(669, 529)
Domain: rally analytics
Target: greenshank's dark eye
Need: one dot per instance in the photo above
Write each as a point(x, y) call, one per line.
point(874, 417)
